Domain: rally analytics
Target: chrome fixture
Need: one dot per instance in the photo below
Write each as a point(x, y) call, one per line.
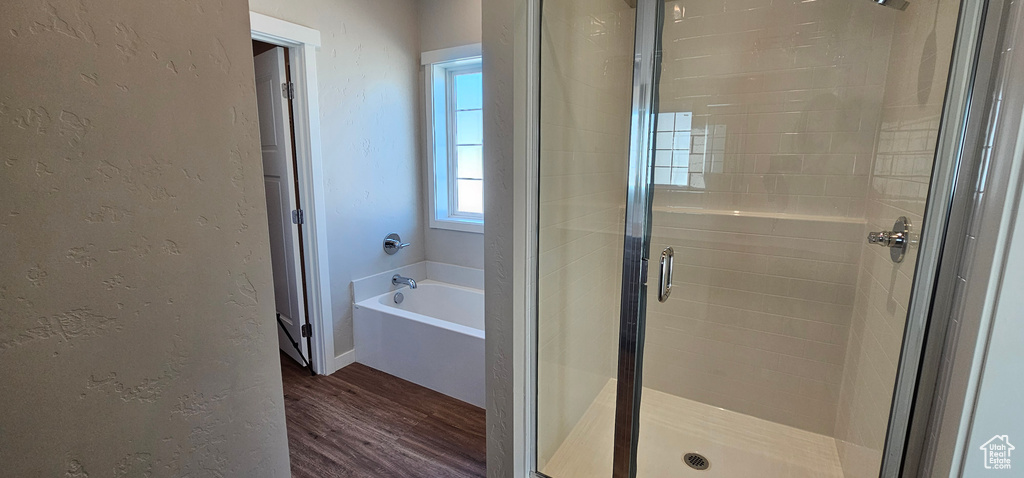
point(399, 280)
point(897, 4)
point(896, 239)
point(393, 243)
point(399, 297)
point(665, 279)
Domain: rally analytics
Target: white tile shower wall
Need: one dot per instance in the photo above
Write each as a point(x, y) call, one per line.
point(758, 318)
point(784, 98)
point(914, 91)
point(586, 61)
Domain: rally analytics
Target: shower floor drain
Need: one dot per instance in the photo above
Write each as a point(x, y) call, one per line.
point(696, 461)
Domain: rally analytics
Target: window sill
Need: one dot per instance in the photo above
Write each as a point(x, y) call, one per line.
point(462, 225)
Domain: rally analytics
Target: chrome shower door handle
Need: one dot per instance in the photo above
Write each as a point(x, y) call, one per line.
point(665, 279)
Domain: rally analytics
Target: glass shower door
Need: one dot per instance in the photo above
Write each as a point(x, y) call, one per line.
point(709, 171)
point(586, 54)
point(782, 134)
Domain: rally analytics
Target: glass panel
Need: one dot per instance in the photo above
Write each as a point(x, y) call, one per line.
point(470, 162)
point(469, 91)
point(470, 195)
point(793, 127)
point(586, 68)
point(469, 127)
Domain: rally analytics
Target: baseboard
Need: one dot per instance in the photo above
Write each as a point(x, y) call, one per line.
point(341, 361)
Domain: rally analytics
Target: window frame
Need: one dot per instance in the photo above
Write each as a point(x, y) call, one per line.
point(440, 68)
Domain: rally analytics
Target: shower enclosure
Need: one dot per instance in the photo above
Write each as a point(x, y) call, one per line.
point(709, 302)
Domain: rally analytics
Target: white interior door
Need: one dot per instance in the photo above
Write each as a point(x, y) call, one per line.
point(279, 181)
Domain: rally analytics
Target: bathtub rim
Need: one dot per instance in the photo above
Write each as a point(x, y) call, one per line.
point(374, 303)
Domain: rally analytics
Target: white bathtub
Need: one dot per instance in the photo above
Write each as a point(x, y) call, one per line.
point(434, 338)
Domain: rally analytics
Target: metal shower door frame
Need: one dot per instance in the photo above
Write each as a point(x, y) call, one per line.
point(636, 239)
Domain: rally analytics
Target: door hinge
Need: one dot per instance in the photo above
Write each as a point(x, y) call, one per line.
point(306, 330)
point(288, 90)
point(298, 217)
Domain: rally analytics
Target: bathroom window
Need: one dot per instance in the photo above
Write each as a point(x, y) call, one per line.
point(454, 128)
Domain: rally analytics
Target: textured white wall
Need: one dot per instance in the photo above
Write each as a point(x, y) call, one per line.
point(503, 37)
point(369, 103)
point(447, 24)
point(464, 249)
point(136, 309)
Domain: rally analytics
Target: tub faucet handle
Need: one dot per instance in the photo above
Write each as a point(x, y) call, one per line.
point(393, 243)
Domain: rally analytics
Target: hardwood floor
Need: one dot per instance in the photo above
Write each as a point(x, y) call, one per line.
point(360, 422)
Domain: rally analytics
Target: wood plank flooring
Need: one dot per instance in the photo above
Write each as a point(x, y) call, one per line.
point(360, 422)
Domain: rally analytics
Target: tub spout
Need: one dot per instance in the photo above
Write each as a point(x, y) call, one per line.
point(398, 280)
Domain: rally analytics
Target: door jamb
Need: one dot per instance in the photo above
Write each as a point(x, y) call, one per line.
point(302, 43)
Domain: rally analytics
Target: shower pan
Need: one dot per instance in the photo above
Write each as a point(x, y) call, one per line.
point(741, 213)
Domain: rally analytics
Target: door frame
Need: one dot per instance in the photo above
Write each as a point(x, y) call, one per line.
point(302, 43)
